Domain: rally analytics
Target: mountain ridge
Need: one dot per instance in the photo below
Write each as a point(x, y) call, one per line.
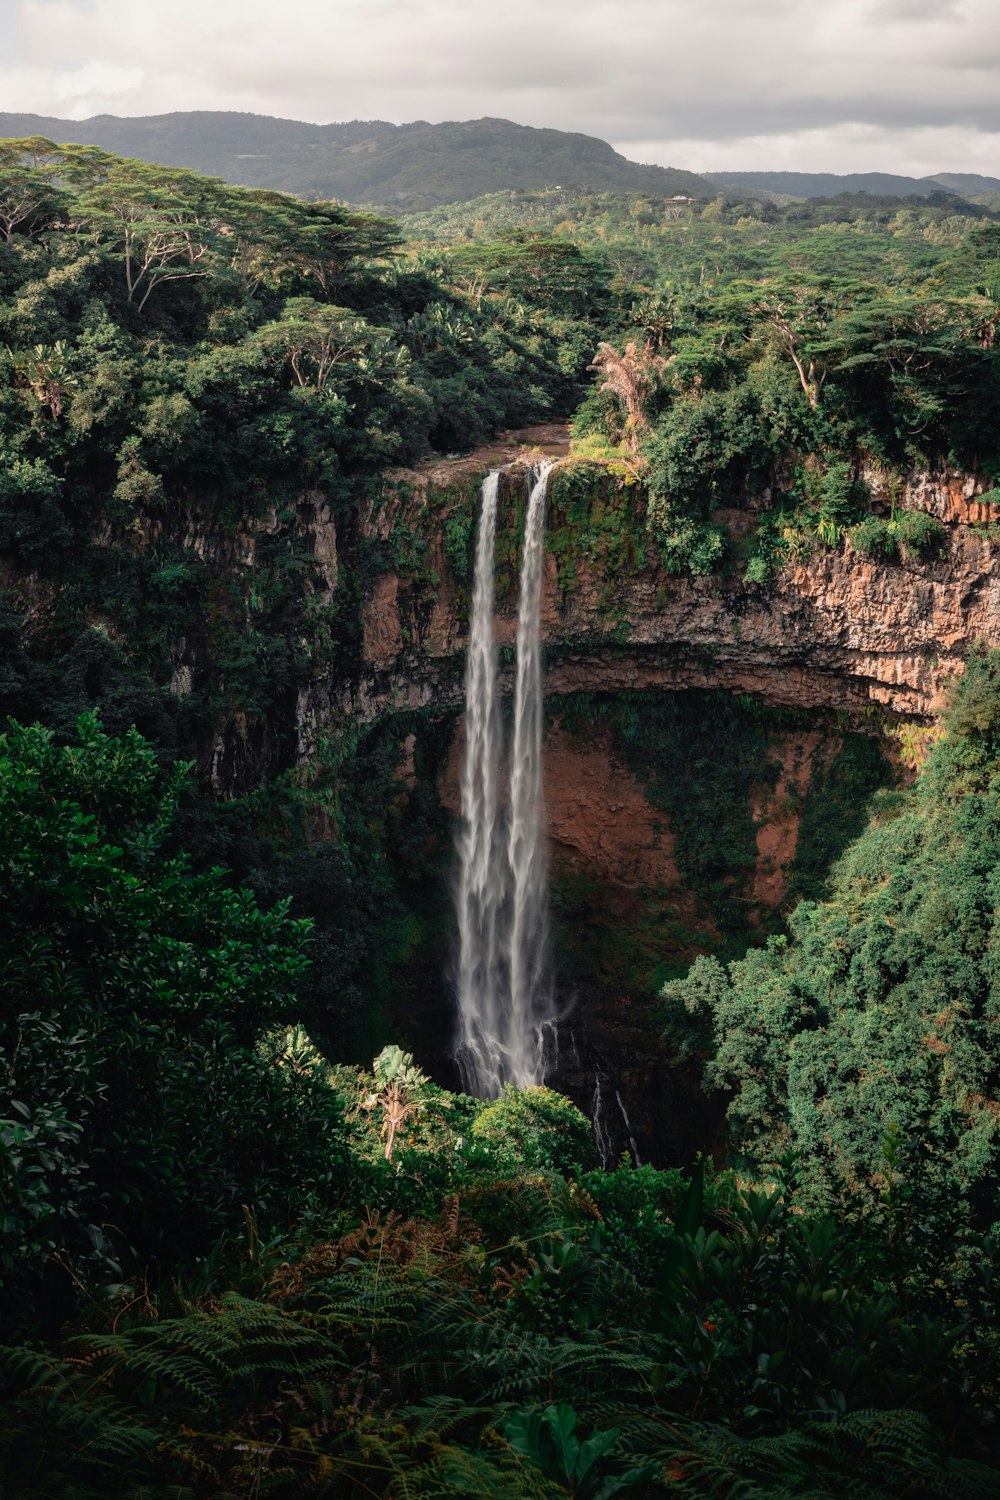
point(830, 184)
point(399, 168)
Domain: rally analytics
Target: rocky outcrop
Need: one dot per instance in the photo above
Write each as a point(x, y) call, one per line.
point(834, 630)
point(950, 496)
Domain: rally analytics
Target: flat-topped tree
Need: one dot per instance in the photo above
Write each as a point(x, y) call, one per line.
point(328, 242)
point(535, 269)
point(164, 220)
point(30, 198)
point(802, 314)
point(317, 339)
point(261, 233)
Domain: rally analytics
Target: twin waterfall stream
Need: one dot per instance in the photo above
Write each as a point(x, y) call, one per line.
point(506, 1000)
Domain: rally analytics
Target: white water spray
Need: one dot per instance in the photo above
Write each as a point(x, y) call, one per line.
point(504, 992)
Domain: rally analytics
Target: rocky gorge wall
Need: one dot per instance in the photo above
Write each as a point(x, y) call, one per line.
point(844, 641)
point(841, 641)
point(835, 630)
point(711, 743)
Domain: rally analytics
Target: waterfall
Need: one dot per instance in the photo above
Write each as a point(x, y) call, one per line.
point(530, 995)
point(504, 994)
point(481, 878)
point(604, 1136)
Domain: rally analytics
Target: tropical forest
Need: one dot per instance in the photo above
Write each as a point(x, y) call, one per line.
point(499, 839)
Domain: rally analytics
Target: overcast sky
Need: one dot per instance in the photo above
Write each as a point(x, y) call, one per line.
point(907, 86)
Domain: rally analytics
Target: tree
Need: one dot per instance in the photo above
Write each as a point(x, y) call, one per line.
point(631, 376)
point(140, 1100)
point(45, 371)
point(533, 268)
point(258, 232)
point(29, 195)
point(317, 339)
point(801, 316)
point(329, 239)
point(400, 1094)
point(164, 220)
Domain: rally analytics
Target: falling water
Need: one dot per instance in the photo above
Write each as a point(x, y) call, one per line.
point(604, 1135)
point(481, 878)
point(530, 993)
point(505, 998)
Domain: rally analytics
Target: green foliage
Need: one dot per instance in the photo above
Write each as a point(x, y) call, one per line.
point(532, 1128)
point(200, 390)
point(839, 332)
point(595, 521)
point(400, 1100)
point(138, 1110)
point(875, 1017)
point(207, 374)
point(835, 811)
point(458, 532)
point(549, 1439)
point(445, 1355)
point(907, 532)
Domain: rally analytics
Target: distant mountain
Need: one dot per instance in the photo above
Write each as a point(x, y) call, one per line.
point(829, 184)
point(400, 168)
point(968, 183)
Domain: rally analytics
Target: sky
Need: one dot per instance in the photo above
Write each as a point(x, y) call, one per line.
point(909, 86)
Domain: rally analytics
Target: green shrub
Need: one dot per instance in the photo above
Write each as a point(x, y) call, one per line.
point(534, 1127)
point(907, 532)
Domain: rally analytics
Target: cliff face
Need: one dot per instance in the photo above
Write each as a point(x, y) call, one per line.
point(835, 633)
point(835, 630)
point(695, 831)
point(711, 743)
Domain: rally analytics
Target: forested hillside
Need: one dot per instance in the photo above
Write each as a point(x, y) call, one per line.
point(829, 184)
point(778, 350)
point(247, 1245)
point(397, 168)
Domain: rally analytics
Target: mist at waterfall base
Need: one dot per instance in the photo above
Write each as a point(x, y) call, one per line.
point(506, 1003)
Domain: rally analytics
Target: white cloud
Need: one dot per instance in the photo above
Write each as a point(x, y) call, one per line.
point(842, 148)
point(708, 81)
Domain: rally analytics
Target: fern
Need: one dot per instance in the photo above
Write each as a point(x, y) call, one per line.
point(866, 1456)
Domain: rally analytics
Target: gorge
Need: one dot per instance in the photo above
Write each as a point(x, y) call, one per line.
point(337, 1155)
point(842, 651)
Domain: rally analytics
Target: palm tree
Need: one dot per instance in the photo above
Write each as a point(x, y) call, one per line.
point(631, 376)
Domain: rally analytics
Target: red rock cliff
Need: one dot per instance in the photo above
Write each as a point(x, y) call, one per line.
point(836, 630)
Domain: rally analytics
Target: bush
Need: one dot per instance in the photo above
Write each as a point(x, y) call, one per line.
point(910, 532)
point(535, 1128)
